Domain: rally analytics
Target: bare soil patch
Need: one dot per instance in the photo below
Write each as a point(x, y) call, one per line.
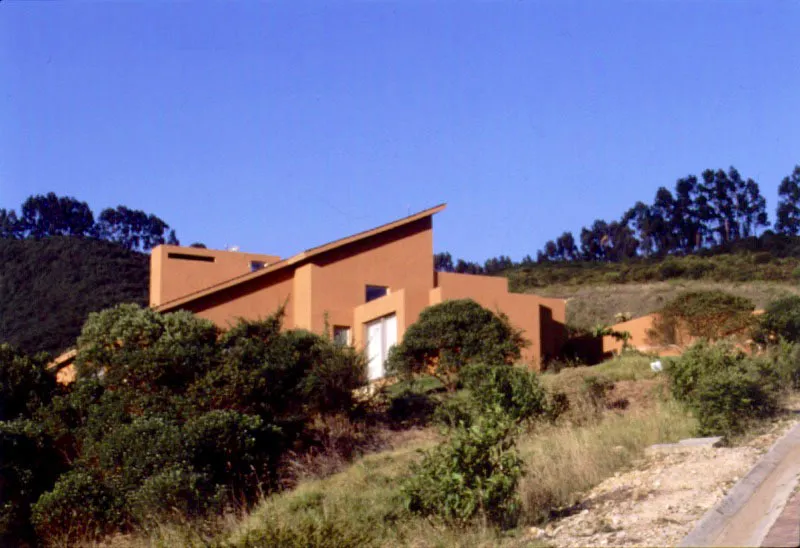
point(659, 501)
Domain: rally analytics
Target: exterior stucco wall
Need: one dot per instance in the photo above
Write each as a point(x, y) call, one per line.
point(394, 303)
point(541, 320)
point(257, 299)
point(400, 260)
point(329, 284)
point(171, 278)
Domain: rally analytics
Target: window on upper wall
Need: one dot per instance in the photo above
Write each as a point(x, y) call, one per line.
point(257, 265)
point(341, 335)
point(376, 292)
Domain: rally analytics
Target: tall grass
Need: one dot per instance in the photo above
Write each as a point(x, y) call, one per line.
point(564, 461)
point(362, 505)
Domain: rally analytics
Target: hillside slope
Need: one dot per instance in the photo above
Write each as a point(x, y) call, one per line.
point(49, 286)
point(592, 304)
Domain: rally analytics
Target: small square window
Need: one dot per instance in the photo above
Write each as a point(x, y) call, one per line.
point(257, 265)
point(341, 335)
point(376, 292)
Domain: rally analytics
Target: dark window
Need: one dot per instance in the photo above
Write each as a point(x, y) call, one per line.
point(257, 265)
point(376, 292)
point(188, 257)
point(341, 335)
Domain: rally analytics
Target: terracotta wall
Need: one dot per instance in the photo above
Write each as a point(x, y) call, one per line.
point(638, 328)
point(540, 319)
point(255, 299)
point(400, 260)
point(173, 277)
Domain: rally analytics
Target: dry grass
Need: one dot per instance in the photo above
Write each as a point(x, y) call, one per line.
point(564, 461)
point(589, 305)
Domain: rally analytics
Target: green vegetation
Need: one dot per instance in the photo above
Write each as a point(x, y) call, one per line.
point(590, 305)
point(709, 315)
point(450, 335)
point(57, 265)
point(178, 434)
point(48, 287)
point(744, 266)
point(167, 415)
point(781, 320)
point(726, 388)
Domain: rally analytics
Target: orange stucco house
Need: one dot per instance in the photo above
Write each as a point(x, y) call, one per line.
point(369, 287)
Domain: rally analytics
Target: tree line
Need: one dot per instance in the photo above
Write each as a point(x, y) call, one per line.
point(713, 211)
point(43, 216)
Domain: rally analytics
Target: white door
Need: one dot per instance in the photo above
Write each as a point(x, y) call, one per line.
point(381, 336)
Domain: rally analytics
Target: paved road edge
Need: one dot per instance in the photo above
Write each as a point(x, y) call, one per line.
point(712, 524)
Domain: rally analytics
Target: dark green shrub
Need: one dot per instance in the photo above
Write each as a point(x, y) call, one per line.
point(473, 475)
point(168, 415)
point(409, 408)
point(450, 335)
point(729, 400)
point(726, 388)
point(234, 450)
point(130, 453)
point(79, 507)
point(138, 348)
point(786, 357)
point(710, 315)
point(30, 463)
point(177, 492)
point(514, 391)
point(455, 412)
point(780, 320)
point(25, 384)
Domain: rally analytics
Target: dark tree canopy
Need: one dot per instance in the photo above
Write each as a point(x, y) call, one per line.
point(44, 216)
point(51, 215)
point(788, 211)
point(134, 229)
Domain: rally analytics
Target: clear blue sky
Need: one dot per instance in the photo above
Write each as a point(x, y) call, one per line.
point(281, 125)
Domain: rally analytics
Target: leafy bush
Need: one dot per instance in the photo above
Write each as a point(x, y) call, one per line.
point(80, 506)
point(455, 412)
point(25, 384)
point(474, 474)
point(137, 347)
point(450, 335)
point(176, 492)
point(409, 408)
point(726, 388)
point(786, 359)
point(514, 391)
point(233, 449)
point(30, 464)
point(780, 320)
point(710, 315)
point(169, 415)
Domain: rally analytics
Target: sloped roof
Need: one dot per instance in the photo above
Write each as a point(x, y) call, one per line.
point(302, 256)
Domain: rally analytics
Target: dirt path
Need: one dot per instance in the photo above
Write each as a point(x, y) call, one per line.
point(658, 502)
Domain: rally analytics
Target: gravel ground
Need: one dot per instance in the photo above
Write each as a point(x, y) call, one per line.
point(660, 500)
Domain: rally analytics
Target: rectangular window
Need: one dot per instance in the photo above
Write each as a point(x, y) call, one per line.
point(341, 335)
point(257, 265)
point(381, 335)
point(188, 257)
point(376, 292)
